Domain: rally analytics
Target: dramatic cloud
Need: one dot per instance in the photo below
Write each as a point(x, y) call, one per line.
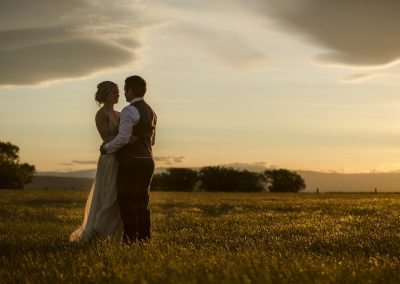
point(227, 46)
point(361, 77)
point(178, 159)
point(253, 167)
point(47, 40)
point(169, 160)
point(354, 32)
point(211, 26)
point(357, 78)
point(91, 162)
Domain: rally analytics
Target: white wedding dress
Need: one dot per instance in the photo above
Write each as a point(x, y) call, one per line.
point(102, 215)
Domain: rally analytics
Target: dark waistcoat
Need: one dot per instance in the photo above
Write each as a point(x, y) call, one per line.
point(144, 130)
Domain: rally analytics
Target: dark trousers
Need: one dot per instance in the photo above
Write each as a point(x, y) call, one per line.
point(133, 184)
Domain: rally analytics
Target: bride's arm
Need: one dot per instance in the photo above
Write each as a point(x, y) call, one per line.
point(102, 127)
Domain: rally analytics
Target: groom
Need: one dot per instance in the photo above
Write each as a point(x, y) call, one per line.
point(133, 147)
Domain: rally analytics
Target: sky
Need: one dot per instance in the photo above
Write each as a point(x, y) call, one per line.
point(296, 84)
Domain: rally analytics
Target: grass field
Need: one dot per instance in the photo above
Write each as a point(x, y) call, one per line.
point(208, 238)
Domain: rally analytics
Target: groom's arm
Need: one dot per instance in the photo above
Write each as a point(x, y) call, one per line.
point(129, 117)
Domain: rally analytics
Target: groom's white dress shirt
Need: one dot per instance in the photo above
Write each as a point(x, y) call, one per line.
point(128, 119)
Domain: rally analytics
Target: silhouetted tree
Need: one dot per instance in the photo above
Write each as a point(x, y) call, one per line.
point(175, 179)
point(282, 180)
point(228, 179)
point(13, 174)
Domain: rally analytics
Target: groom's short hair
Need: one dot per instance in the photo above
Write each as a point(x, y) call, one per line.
point(137, 84)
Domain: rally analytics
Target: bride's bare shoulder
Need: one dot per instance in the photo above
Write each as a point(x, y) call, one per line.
point(101, 113)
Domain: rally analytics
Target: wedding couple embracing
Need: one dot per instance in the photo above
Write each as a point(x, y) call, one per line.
point(117, 206)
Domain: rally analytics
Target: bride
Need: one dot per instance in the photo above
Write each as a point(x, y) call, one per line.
point(102, 214)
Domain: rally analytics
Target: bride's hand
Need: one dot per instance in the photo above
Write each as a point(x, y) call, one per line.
point(102, 150)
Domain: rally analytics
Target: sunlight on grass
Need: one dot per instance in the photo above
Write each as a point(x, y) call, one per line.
point(208, 238)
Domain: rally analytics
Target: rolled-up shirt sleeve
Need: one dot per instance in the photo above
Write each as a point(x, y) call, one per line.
point(129, 117)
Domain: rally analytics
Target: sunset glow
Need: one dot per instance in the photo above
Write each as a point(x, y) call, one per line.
point(311, 85)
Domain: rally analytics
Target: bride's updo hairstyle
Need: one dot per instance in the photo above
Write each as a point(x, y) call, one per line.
point(103, 89)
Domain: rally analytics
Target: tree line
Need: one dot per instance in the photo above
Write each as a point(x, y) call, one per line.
point(13, 173)
point(222, 179)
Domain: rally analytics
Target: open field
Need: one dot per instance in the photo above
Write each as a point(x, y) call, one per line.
point(208, 238)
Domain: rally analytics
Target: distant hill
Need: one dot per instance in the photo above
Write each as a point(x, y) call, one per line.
point(325, 182)
point(80, 174)
point(77, 174)
point(65, 180)
point(54, 182)
point(336, 182)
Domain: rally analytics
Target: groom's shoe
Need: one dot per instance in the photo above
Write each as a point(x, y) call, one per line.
point(128, 240)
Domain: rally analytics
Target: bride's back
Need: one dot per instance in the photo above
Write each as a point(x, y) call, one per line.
point(107, 125)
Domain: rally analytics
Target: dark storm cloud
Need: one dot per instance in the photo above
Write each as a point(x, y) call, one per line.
point(354, 32)
point(48, 40)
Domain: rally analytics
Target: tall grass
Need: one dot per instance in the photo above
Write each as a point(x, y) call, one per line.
point(208, 238)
